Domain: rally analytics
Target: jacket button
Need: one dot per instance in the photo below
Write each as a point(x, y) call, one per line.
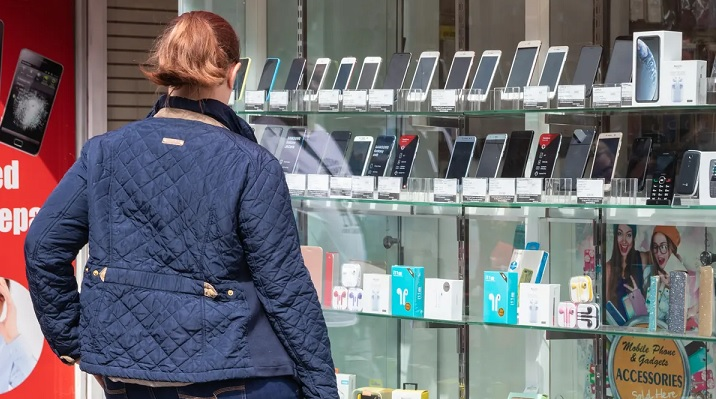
point(87, 269)
point(230, 292)
point(95, 273)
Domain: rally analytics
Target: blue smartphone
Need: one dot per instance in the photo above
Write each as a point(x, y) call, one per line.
point(268, 76)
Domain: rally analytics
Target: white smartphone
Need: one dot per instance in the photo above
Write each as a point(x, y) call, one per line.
point(459, 70)
point(423, 77)
point(606, 155)
point(491, 157)
point(345, 71)
point(317, 78)
point(368, 73)
point(484, 75)
point(360, 155)
point(523, 63)
point(552, 68)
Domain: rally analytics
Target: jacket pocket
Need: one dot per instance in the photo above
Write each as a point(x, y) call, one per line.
point(92, 300)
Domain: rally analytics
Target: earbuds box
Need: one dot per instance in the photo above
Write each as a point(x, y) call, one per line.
point(538, 304)
point(684, 82)
point(500, 297)
point(443, 299)
point(408, 291)
point(376, 293)
point(346, 384)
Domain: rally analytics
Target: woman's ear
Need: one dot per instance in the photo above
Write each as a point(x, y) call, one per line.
point(232, 75)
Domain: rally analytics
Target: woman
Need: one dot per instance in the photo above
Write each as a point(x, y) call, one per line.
point(16, 363)
point(195, 285)
point(624, 268)
point(665, 242)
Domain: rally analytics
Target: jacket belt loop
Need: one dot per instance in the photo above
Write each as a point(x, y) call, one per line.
point(210, 291)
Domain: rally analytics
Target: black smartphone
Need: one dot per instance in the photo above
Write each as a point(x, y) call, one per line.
point(491, 155)
point(397, 70)
point(358, 159)
point(620, 62)
point(662, 180)
point(546, 156)
point(587, 67)
point(403, 165)
point(268, 75)
point(292, 148)
point(29, 104)
point(517, 152)
point(382, 152)
point(295, 74)
point(646, 81)
point(687, 181)
point(575, 161)
point(461, 157)
point(310, 159)
point(271, 138)
point(334, 156)
point(639, 160)
point(240, 82)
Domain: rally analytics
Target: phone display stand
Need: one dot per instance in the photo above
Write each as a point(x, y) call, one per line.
point(558, 191)
point(606, 96)
point(624, 191)
point(411, 100)
point(303, 100)
point(255, 100)
point(419, 190)
point(354, 101)
point(475, 100)
point(684, 200)
point(507, 98)
point(445, 100)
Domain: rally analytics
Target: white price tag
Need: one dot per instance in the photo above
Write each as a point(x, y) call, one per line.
point(389, 188)
point(328, 100)
point(443, 100)
point(606, 97)
point(590, 191)
point(363, 187)
point(502, 190)
point(255, 97)
point(571, 96)
point(528, 190)
point(355, 99)
point(627, 92)
point(341, 187)
point(445, 190)
point(279, 99)
point(474, 189)
point(296, 183)
point(381, 98)
point(536, 97)
point(318, 186)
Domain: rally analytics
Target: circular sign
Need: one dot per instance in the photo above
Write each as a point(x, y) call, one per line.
point(643, 367)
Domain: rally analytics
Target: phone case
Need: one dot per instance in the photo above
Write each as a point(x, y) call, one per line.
point(589, 263)
point(588, 316)
point(313, 259)
point(567, 315)
point(677, 302)
point(652, 302)
point(635, 304)
point(702, 380)
point(580, 289)
point(698, 360)
point(706, 301)
point(614, 316)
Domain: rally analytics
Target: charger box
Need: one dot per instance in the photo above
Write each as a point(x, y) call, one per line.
point(376, 293)
point(408, 291)
point(346, 384)
point(652, 52)
point(684, 82)
point(500, 297)
point(538, 304)
point(443, 299)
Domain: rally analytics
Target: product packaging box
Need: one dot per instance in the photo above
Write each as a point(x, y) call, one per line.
point(332, 263)
point(372, 393)
point(652, 52)
point(538, 304)
point(376, 293)
point(529, 264)
point(707, 178)
point(684, 82)
point(443, 299)
point(410, 394)
point(313, 259)
point(346, 384)
point(500, 301)
point(408, 291)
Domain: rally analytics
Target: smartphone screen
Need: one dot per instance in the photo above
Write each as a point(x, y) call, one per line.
point(605, 157)
point(29, 104)
point(522, 67)
point(619, 69)
point(646, 81)
point(407, 148)
point(551, 71)
point(359, 155)
point(546, 157)
point(291, 150)
point(271, 138)
point(344, 74)
point(295, 74)
point(240, 78)
point(334, 156)
point(484, 74)
point(367, 76)
point(516, 154)
point(460, 159)
point(423, 74)
point(268, 74)
point(458, 73)
point(577, 154)
point(490, 158)
point(310, 158)
point(665, 165)
point(639, 160)
point(587, 67)
point(317, 76)
point(397, 69)
point(381, 156)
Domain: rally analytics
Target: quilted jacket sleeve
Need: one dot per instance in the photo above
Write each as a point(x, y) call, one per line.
point(56, 235)
point(268, 231)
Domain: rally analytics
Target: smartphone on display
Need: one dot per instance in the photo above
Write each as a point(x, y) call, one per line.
point(687, 181)
point(29, 104)
point(646, 81)
point(620, 62)
point(712, 181)
point(407, 150)
point(397, 71)
point(292, 148)
point(382, 152)
point(575, 161)
point(491, 157)
point(606, 155)
point(2, 36)
point(587, 67)
point(484, 75)
point(462, 152)
point(459, 70)
point(268, 75)
point(662, 180)
point(424, 72)
point(345, 71)
point(271, 138)
point(517, 153)
point(546, 157)
point(523, 64)
point(368, 73)
point(310, 159)
point(317, 77)
point(639, 160)
point(333, 158)
point(295, 74)
point(358, 160)
point(552, 69)
point(241, 76)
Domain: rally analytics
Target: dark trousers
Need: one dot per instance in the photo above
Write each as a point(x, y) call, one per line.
point(257, 388)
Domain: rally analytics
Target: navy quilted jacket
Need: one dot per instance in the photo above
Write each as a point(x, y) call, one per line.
point(195, 272)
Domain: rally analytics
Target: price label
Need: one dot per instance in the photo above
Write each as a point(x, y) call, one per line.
point(328, 100)
point(363, 187)
point(502, 190)
point(590, 191)
point(278, 101)
point(318, 186)
point(607, 97)
point(627, 92)
point(254, 100)
point(341, 187)
point(389, 188)
point(296, 184)
point(445, 190)
point(443, 100)
point(571, 96)
point(355, 100)
point(528, 190)
point(381, 100)
point(536, 97)
point(474, 189)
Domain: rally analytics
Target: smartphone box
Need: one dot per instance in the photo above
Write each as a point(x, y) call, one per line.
point(443, 299)
point(652, 52)
point(376, 293)
point(500, 297)
point(408, 291)
point(529, 264)
point(410, 394)
point(538, 304)
point(707, 178)
point(346, 384)
point(685, 82)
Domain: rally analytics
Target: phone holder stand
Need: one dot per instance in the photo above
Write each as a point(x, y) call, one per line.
point(507, 98)
point(419, 189)
point(558, 191)
point(475, 100)
point(412, 100)
point(624, 191)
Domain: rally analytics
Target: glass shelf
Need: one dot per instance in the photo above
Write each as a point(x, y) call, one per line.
point(345, 318)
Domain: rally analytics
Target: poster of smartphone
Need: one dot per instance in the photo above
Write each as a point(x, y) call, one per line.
point(382, 153)
point(646, 81)
point(29, 104)
point(292, 148)
point(546, 157)
point(403, 166)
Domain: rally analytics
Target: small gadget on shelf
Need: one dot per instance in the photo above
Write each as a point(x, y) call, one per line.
point(575, 162)
point(687, 181)
point(373, 393)
point(523, 64)
point(404, 161)
point(459, 70)
point(397, 71)
point(413, 393)
point(587, 67)
point(351, 274)
point(345, 71)
point(462, 152)
point(588, 316)
point(340, 298)
point(333, 158)
point(662, 182)
point(639, 160)
point(313, 259)
point(382, 154)
point(443, 299)
point(580, 289)
point(241, 76)
point(517, 153)
point(619, 69)
point(530, 264)
point(606, 156)
point(271, 138)
point(408, 290)
point(500, 297)
point(677, 301)
point(295, 74)
point(317, 77)
point(491, 157)
point(355, 299)
point(368, 73)
point(538, 304)
point(567, 315)
point(377, 293)
point(546, 156)
point(358, 159)
point(485, 74)
point(346, 385)
point(268, 76)
point(706, 301)
point(423, 77)
point(292, 148)
point(552, 68)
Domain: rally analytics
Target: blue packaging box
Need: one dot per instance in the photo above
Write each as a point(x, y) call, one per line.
point(408, 291)
point(500, 301)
